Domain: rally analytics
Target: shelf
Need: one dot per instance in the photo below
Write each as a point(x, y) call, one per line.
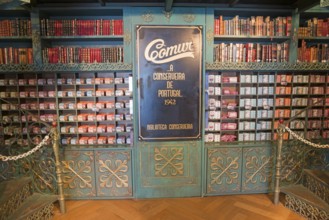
point(16, 39)
point(83, 38)
point(93, 67)
point(268, 66)
point(314, 39)
point(245, 38)
point(253, 120)
point(68, 115)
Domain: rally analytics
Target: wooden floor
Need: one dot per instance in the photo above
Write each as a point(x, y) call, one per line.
point(233, 207)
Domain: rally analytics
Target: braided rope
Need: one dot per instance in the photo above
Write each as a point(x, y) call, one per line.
point(23, 155)
point(304, 140)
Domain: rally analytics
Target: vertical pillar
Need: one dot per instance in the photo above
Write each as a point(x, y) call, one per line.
point(58, 168)
point(36, 37)
point(278, 163)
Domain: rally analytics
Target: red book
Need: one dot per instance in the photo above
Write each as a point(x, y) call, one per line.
point(289, 26)
point(121, 27)
point(216, 28)
point(319, 28)
point(221, 25)
point(325, 28)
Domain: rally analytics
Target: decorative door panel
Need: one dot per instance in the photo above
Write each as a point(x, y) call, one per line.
point(79, 174)
point(113, 173)
point(258, 169)
point(169, 169)
point(224, 170)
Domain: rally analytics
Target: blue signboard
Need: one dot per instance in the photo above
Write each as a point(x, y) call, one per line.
point(169, 65)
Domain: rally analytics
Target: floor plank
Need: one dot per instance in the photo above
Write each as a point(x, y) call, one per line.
point(232, 207)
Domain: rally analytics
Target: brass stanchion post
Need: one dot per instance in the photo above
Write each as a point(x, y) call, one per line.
point(58, 169)
point(278, 163)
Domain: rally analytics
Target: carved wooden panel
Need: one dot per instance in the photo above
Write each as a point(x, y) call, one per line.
point(79, 174)
point(169, 169)
point(258, 169)
point(224, 170)
point(113, 173)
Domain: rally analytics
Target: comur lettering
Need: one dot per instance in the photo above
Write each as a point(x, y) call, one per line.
point(157, 52)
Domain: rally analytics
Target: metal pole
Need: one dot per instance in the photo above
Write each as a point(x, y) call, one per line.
point(61, 198)
point(278, 163)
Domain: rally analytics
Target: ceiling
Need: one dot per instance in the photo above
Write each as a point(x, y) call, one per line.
point(168, 4)
point(301, 5)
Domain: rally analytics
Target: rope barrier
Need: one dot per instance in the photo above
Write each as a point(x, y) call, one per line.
point(304, 140)
point(23, 155)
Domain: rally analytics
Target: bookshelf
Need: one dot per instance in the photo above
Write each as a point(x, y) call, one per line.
point(251, 38)
point(80, 79)
point(248, 48)
point(16, 31)
point(313, 38)
point(249, 90)
point(89, 94)
point(82, 36)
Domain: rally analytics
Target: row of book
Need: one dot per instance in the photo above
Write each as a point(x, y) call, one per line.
point(15, 27)
point(280, 78)
point(264, 90)
point(34, 129)
point(250, 125)
point(64, 81)
point(261, 136)
point(301, 78)
point(315, 27)
point(251, 52)
point(69, 93)
point(71, 117)
point(95, 140)
point(92, 81)
point(253, 26)
point(93, 106)
point(92, 117)
point(83, 117)
point(243, 136)
point(11, 55)
point(308, 135)
point(102, 128)
point(216, 115)
point(71, 105)
point(83, 55)
point(24, 141)
point(316, 53)
point(15, 118)
point(79, 27)
point(295, 102)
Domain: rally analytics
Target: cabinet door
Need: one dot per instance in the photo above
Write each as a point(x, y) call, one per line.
point(79, 174)
point(170, 169)
point(113, 173)
point(224, 170)
point(257, 169)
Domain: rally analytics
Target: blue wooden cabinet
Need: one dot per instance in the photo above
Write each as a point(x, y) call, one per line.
point(239, 169)
point(150, 169)
point(91, 174)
